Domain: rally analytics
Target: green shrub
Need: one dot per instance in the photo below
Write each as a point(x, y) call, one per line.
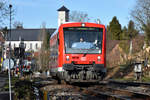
point(125, 45)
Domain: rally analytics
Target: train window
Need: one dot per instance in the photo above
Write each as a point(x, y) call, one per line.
point(83, 40)
point(54, 46)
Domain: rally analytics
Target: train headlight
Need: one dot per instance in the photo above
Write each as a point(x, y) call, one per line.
point(67, 58)
point(83, 24)
point(99, 58)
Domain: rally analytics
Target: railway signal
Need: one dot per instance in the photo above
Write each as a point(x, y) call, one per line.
point(19, 52)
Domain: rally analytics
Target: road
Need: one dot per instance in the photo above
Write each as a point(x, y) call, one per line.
point(4, 95)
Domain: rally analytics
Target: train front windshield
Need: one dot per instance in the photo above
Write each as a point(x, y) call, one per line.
point(83, 40)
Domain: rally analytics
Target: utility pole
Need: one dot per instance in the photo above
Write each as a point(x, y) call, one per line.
point(10, 6)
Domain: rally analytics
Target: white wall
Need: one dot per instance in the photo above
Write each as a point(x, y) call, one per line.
point(27, 45)
point(62, 17)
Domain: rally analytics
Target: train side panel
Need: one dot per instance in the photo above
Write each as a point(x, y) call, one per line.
point(53, 62)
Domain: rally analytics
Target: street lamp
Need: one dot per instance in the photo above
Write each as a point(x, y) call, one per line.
point(10, 6)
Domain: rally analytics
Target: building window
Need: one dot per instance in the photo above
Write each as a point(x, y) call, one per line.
point(36, 46)
point(14, 45)
point(25, 45)
point(30, 45)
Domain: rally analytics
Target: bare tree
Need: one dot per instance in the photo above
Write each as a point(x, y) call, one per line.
point(78, 16)
point(141, 14)
point(43, 59)
point(18, 24)
point(4, 12)
point(98, 21)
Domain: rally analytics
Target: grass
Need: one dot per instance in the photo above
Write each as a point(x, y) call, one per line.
point(13, 81)
point(144, 79)
point(23, 89)
point(124, 79)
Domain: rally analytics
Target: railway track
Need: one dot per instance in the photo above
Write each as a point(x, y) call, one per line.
point(106, 90)
point(136, 87)
point(109, 93)
point(121, 90)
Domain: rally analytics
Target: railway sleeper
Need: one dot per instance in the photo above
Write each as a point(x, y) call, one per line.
point(117, 92)
point(82, 75)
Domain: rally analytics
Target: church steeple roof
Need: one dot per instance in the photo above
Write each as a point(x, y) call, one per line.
point(63, 8)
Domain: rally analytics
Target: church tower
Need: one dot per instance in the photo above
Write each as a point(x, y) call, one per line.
point(63, 15)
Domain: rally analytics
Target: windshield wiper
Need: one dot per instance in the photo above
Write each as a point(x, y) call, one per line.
point(86, 53)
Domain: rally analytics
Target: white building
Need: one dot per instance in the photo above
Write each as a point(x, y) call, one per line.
point(30, 37)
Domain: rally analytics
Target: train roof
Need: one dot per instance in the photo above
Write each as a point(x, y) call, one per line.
point(81, 22)
point(56, 31)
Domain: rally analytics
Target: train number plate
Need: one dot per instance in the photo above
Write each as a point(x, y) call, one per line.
point(83, 58)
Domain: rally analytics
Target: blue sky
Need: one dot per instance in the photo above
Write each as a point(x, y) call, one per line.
point(32, 13)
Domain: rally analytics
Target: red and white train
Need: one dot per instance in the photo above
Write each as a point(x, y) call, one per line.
point(78, 52)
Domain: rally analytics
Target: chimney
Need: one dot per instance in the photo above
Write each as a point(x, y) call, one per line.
point(63, 15)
